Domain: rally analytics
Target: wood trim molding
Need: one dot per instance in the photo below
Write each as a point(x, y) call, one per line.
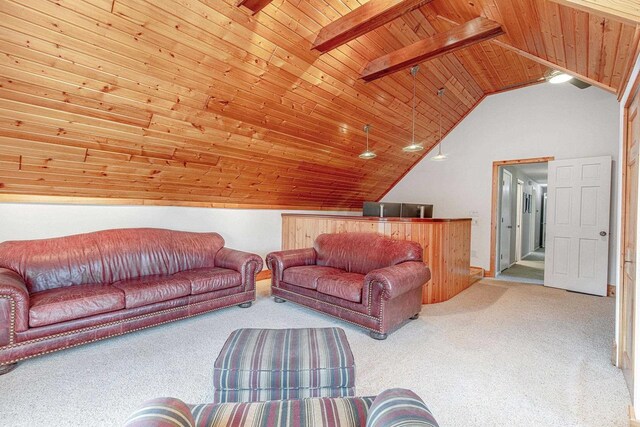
point(263, 275)
point(108, 201)
point(494, 203)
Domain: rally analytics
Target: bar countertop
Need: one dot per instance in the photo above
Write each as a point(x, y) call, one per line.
point(377, 219)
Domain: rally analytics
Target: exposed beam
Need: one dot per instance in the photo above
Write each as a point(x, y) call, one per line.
point(627, 11)
point(254, 5)
point(544, 62)
point(360, 21)
point(461, 36)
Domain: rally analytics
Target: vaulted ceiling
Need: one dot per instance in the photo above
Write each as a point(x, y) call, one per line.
point(203, 102)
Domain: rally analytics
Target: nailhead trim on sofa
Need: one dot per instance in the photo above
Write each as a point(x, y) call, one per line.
point(111, 324)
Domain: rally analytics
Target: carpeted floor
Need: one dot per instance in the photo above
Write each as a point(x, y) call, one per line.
point(498, 354)
point(529, 269)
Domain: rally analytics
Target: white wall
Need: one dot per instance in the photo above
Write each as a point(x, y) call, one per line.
point(252, 230)
point(542, 120)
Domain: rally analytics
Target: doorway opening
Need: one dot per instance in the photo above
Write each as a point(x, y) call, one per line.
point(519, 220)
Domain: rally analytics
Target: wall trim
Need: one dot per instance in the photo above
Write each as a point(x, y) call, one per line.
point(263, 275)
point(72, 200)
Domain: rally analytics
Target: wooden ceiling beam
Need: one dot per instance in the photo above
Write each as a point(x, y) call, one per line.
point(625, 11)
point(254, 5)
point(461, 36)
point(367, 17)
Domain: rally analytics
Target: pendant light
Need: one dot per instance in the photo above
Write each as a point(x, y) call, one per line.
point(367, 154)
point(440, 157)
point(413, 147)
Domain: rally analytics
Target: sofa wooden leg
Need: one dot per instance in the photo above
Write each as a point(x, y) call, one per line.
point(377, 336)
point(5, 369)
point(415, 316)
point(245, 305)
point(279, 300)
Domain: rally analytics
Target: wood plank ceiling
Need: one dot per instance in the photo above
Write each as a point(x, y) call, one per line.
point(202, 102)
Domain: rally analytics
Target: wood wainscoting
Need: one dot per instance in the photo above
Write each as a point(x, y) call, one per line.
point(446, 243)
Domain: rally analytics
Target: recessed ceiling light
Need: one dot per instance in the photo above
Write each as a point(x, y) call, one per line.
point(556, 77)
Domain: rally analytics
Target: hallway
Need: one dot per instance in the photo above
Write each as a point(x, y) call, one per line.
point(529, 269)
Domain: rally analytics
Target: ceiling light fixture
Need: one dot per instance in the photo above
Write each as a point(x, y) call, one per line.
point(556, 77)
point(413, 147)
point(440, 157)
point(367, 154)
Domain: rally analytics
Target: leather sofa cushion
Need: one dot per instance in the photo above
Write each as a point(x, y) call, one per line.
point(152, 289)
point(347, 286)
point(108, 256)
point(204, 280)
point(307, 276)
point(73, 302)
point(363, 252)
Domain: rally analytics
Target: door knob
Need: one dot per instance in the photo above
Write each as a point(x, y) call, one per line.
point(603, 233)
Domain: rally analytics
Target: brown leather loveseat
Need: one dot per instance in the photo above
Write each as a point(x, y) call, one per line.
point(362, 278)
point(62, 292)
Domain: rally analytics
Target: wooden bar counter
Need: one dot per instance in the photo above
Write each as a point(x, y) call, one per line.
point(446, 243)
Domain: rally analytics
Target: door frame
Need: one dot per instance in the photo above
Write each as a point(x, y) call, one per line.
point(494, 202)
point(622, 327)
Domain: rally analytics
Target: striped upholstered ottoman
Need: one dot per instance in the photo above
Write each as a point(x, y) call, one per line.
point(257, 365)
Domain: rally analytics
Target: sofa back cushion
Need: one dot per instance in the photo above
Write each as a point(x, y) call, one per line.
point(107, 256)
point(363, 252)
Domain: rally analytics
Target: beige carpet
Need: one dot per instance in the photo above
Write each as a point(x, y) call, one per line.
point(499, 354)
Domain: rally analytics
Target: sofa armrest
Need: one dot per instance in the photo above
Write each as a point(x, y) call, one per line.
point(162, 412)
point(279, 261)
point(14, 305)
point(399, 278)
point(245, 263)
point(399, 407)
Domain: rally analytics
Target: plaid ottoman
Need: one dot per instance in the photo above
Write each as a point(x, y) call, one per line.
point(275, 364)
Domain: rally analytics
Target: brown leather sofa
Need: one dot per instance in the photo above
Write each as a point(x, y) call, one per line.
point(62, 292)
point(362, 278)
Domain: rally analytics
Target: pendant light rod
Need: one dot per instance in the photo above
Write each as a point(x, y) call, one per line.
point(367, 154)
point(414, 72)
point(413, 147)
point(440, 156)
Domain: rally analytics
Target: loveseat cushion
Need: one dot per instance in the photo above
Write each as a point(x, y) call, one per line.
point(151, 289)
point(204, 280)
point(307, 276)
point(347, 286)
point(363, 252)
point(73, 302)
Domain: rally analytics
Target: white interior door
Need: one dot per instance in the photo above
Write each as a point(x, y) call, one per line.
point(519, 209)
point(577, 238)
point(505, 220)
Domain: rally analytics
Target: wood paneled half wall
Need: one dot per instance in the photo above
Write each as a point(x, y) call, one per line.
point(227, 103)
